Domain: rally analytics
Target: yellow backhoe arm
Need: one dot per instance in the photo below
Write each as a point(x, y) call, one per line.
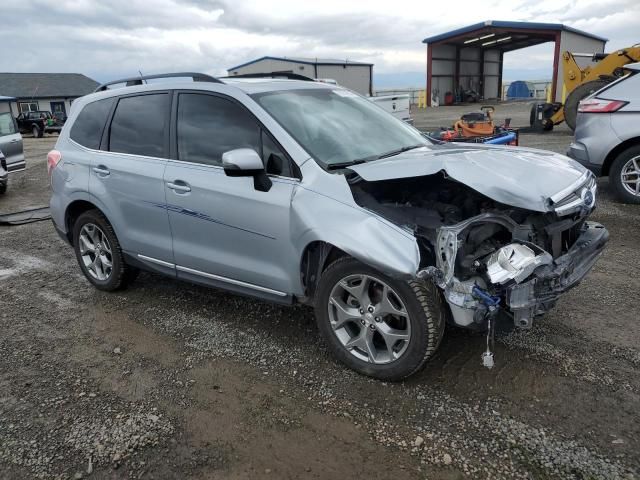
point(575, 76)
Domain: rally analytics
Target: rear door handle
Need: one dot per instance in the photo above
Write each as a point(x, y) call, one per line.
point(101, 170)
point(179, 186)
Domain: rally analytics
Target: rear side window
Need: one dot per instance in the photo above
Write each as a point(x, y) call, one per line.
point(140, 124)
point(209, 126)
point(88, 126)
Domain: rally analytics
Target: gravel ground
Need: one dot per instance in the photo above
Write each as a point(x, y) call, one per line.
point(170, 380)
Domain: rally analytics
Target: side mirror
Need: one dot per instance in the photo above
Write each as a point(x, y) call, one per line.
point(245, 162)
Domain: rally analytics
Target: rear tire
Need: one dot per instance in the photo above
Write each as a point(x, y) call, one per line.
point(36, 131)
point(624, 165)
point(3, 189)
point(99, 253)
point(579, 93)
point(414, 335)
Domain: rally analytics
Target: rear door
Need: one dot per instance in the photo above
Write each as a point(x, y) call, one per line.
point(225, 232)
point(127, 176)
point(11, 142)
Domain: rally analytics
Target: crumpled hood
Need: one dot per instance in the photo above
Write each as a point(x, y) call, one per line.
point(520, 177)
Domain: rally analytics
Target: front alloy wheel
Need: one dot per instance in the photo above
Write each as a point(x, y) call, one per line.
point(375, 324)
point(369, 319)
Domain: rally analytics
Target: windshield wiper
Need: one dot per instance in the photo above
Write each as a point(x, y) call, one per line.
point(399, 151)
point(337, 166)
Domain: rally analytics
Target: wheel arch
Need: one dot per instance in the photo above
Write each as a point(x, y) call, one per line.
point(73, 211)
point(316, 257)
point(617, 150)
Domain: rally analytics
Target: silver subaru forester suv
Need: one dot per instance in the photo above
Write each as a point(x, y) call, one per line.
point(303, 192)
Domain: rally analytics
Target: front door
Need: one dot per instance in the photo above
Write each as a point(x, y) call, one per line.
point(225, 232)
point(58, 110)
point(128, 177)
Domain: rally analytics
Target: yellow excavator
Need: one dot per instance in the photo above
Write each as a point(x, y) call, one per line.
point(580, 83)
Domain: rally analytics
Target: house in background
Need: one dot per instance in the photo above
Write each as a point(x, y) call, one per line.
point(357, 76)
point(52, 92)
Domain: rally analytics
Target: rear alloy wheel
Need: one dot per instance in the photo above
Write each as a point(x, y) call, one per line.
point(95, 252)
point(99, 254)
point(377, 325)
point(624, 175)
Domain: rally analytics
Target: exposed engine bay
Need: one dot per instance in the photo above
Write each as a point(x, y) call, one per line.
point(487, 256)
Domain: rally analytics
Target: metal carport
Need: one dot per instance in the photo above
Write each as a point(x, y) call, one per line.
point(472, 57)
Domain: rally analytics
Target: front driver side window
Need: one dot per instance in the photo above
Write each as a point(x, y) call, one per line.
point(209, 126)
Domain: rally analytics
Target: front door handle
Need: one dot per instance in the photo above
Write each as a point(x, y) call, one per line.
point(15, 140)
point(179, 186)
point(101, 170)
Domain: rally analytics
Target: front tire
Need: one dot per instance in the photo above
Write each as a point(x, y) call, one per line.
point(99, 253)
point(624, 175)
point(377, 325)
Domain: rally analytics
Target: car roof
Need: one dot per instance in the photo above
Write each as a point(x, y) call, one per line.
point(247, 85)
point(260, 85)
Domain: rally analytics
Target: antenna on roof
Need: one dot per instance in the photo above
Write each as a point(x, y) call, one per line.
point(142, 76)
point(35, 90)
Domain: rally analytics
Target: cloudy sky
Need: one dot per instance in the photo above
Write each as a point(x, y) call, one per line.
point(112, 38)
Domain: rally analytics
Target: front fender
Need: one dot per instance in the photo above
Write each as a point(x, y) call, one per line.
point(358, 232)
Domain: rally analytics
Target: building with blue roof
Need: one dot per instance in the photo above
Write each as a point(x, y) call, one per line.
point(471, 58)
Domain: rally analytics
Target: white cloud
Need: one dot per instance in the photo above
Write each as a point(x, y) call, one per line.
point(120, 37)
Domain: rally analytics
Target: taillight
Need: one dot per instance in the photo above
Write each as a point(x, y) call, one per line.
point(53, 158)
point(598, 105)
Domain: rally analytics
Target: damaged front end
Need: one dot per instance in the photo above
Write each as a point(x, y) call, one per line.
point(522, 273)
point(483, 253)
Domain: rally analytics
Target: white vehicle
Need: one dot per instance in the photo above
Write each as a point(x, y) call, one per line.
point(330, 81)
point(396, 105)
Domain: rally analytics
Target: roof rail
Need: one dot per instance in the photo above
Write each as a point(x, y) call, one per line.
point(287, 75)
point(129, 82)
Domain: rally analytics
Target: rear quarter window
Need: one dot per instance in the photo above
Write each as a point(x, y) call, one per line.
point(89, 124)
point(626, 88)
